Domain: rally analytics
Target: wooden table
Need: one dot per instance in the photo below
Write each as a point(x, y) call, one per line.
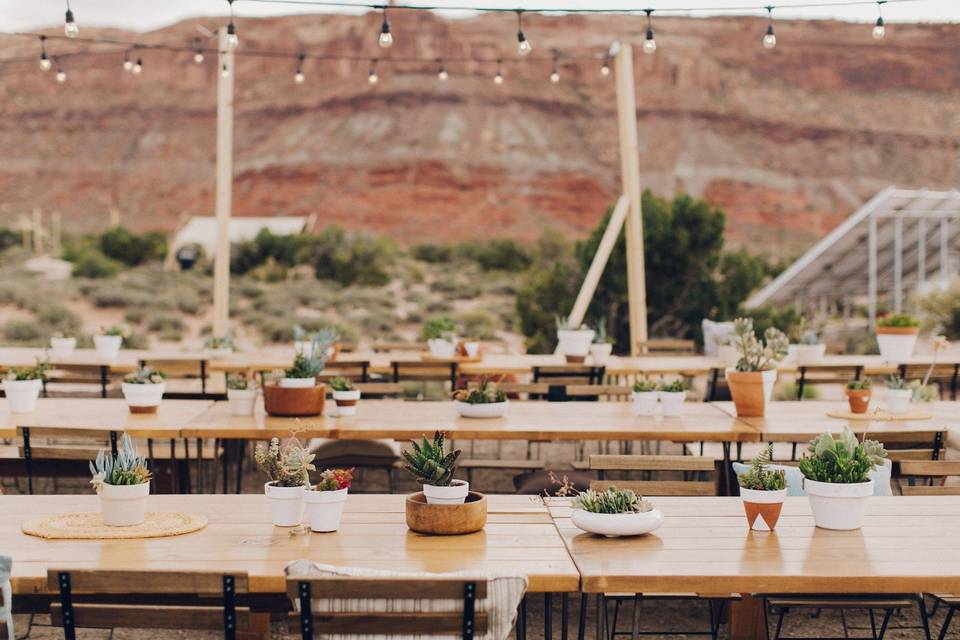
point(520, 538)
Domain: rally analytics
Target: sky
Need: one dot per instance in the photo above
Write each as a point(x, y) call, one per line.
point(145, 15)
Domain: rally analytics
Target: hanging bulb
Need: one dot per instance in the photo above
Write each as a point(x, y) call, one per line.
point(137, 68)
point(498, 79)
point(198, 57)
point(554, 74)
point(386, 38)
point(649, 44)
point(605, 69)
point(224, 72)
point(127, 62)
point(442, 74)
point(523, 45)
point(232, 40)
point(45, 64)
point(70, 28)
point(769, 39)
point(879, 30)
point(61, 75)
point(298, 77)
point(372, 77)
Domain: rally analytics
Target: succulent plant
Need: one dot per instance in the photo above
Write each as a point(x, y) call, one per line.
point(898, 320)
point(219, 342)
point(644, 386)
point(485, 393)
point(600, 336)
point(341, 384)
point(613, 500)
point(240, 381)
point(429, 463)
point(334, 479)
point(863, 384)
point(439, 328)
point(564, 324)
point(121, 330)
point(288, 465)
point(36, 372)
point(896, 383)
point(144, 375)
point(844, 460)
point(126, 468)
point(674, 386)
point(762, 478)
point(757, 355)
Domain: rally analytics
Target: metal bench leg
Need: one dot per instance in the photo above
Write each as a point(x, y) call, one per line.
point(946, 623)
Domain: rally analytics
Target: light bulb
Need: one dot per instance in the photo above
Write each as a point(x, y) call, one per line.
point(224, 72)
point(605, 69)
point(127, 64)
point(879, 30)
point(386, 40)
point(373, 78)
point(554, 77)
point(649, 45)
point(299, 77)
point(498, 79)
point(45, 63)
point(523, 45)
point(232, 40)
point(442, 75)
point(198, 57)
point(61, 76)
point(137, 68)
point(769, 40)
point(70, 28)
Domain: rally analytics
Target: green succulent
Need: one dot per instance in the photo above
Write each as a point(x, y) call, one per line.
point(485, 393)
point(896, 383)
point(762, 478)
point(145, 375)
point(756, 354)
point(36, 372)
point(843, 460)
point(126, 468)
point(613, 500)
point(674, 386)
point(288, 465)
point(898, 320)
point(644, 386)
point(440, 327)
point(859, 385)
point(341, 384)
point(429, 463)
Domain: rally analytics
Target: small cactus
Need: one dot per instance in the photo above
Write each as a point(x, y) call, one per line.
point(428, 462)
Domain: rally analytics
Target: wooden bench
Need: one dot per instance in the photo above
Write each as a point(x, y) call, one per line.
point(668, 346)
point(933, 473)
point(415, 371)
point(692, 468)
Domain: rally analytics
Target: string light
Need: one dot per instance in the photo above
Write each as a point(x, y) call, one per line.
point(442, 74)
point(137, 67)
point(554, 74)
point(233, 41)
point(298, 77)
point(127, 62)
point(224, 71)
point(45, 63)
point(70, 28)
point(523, 45)
point(769, 38)
point(879, 30)
point(386, 38)
point(605, 69)
point(498, 79)
point(372, 77)
point(198, 54)
point(649, 44)
point(61, 74)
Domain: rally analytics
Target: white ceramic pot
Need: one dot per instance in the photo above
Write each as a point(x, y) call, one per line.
point(599, 353)
point(107, 347)
point(123, 505)
point(486, 410)
point(838, 506)
point(346, 402)
point(645, 403)
point(574, 342)
point(896, 343)
point(456, 493)
point(298, 383)
point(241, 401)
point(806, 354)
point(143, 396)
point(897, 400)
point(440, 348)
point(62, 346)
point(617, 524)
point(324, 509)
point(761, 501)
point(472, 349)
point(22, 394)
point(672, 402)
point(286, 504)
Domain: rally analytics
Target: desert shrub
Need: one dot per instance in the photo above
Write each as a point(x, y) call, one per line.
point(286, 250)
point(8, 238)
point(497, 254)
point(438, 306)
point(112, 296)
point(188, 301)
point(480, 324)
point(136, 340)
point(23, 332)
point(350, 259)
point(171, 334)
point(93, 264)
point(270, 271)
point(56, 317)
point(134, 316)
point(132, 249)
point(432, 253)
point(161, 323)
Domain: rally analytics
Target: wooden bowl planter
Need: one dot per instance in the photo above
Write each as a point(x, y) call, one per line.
point(859, 400)
point(294, 402)
point(446, 519)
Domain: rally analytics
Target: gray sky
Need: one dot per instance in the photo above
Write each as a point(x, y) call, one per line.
point(144, 15)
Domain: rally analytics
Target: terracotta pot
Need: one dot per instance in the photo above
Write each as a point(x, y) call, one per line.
point(859, 400)
point(762, 507)
point(571, 359)
point(293, 402)
point(447, 519)
point(751, 391)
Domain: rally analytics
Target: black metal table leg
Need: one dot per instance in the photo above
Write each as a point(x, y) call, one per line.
point(548, 616)
point(727, 469)
point(226, 465)
point(582, 624)
point(241, 454)
point(564, 615)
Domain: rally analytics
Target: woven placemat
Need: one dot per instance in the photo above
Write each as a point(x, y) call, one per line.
point(879, 415)
point(89, 526)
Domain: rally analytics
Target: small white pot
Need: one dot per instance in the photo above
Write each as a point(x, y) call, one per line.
point(143, 395)
point(298, 383)
point(756, 496)
point(600, 352)
point(123, 505)
point(617, 524)
point(672, 402)
point(107, 347)
point(324, 509)
point(241, 401)
point(838, 506)
point(897, 400)
point(22, 394)
point(62, 346)
point(486, 410)
point(440, 348)
point(806, 354)
point(645, 403)
point(456, 493)
point(472, 349)
point(286, 504)
point(346, 402)
point(574, 342)
point(896, 347)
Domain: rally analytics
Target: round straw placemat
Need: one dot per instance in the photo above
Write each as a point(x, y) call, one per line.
point(89, 526)
point(879, 415)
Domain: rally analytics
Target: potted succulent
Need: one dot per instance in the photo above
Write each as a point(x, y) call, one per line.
point(469, 349)
point(306, 343)
point(22, 386)
point(896, 336)
point(645, 397)
point(345, 395)
point(123, 483)
point(108, 342)
point(763, 491)
point(440, 333)
point(922, 390)
point(897, 397)
point(241, 393)
point(429, 463)
point(325, 500)
point(807, 349)
point(836, 478)
point(573, 340)
point(288, 468)
point(485, 401)
point(614, 512)
point(672, 396)
point(62, 346)
point(143, 390)
point(602, 345)
point(858, 395)
point(218, 346)
point(751, 381)
point(296, 391)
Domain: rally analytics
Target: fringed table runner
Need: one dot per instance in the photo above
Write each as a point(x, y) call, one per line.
point(89, 526)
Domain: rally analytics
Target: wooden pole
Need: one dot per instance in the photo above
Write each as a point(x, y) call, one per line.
point(630, 171)
point(37, 228)
point(590, 281)
point(221, 264)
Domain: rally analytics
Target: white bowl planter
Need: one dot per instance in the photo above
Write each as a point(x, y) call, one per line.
point(897, 400)
point(896, 343)
point(62, 346)
point(456, 493)
point(672, 402)
point(600, 352)
point(617, 524)
point(241, 401)
point(286, 504)
point(806, 354)
point(645, 403)
point(298, 383)
point(574, 342)
point(346, 402)
point(472, 349)
point(763, 506)
point(22, 394)
point(123, 505)
point(838, 506)
point(324, 509)
point(440, 348)
point(107, 347)
point(484, 410)
point(143, 398)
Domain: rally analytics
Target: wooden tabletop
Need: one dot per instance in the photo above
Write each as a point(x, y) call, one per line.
point(216, 422)
point(520, 538)
point(908, 545)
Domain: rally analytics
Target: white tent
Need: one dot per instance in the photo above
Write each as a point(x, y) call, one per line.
point(202, 230)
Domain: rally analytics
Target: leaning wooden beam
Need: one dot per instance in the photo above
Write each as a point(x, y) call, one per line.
point(590, 281)
point(221, 264)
